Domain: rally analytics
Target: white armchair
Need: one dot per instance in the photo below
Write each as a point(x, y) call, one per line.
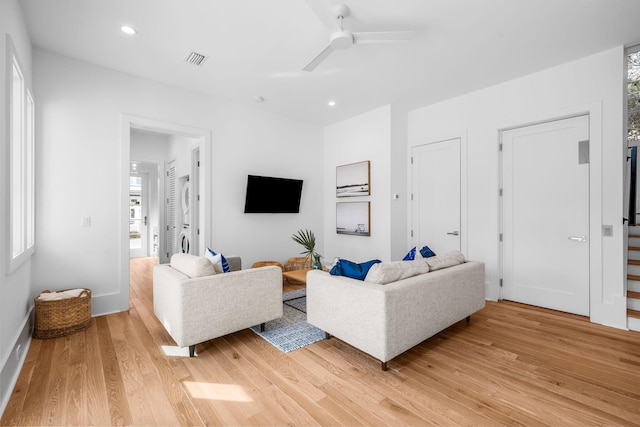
point(195, 305)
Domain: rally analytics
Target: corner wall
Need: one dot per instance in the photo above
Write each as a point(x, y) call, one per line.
point(594, 84)
point(16, 293)
point(364, 137)
point(80, 161)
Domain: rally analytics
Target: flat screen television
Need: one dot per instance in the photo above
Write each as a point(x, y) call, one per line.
point(272, 195)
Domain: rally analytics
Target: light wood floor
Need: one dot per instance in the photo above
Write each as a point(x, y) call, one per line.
point(513, 364)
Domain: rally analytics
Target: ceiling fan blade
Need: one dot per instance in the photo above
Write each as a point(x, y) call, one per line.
point(323, 13)
point(383, 37)
point(318, 59)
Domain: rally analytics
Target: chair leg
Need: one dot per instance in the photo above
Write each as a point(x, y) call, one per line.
point(261, 327)
point(192, 350)
point(327, 335)
point(468, 319)
point(384, 366)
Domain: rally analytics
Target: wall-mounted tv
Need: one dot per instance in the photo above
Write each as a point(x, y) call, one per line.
point(272, 195)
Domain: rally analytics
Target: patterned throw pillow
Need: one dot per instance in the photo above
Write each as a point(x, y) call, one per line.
point(218, 260)
point(411, 255)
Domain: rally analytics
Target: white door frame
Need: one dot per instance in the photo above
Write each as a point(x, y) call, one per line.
point(594, 111)
point(127, 122)
point(464, 247)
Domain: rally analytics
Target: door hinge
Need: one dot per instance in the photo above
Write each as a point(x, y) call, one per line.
point(411, 159)
point(167, 228)
point(412, 197)
point(501, 192)
point(167, 254)
point(411, 233)
point(198, 232)
point(501, 237)
point(198, 197)
point(500, 282)
point(198, 163)
point(500, 147)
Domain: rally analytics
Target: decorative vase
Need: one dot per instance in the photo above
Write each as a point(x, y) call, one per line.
point(317, 264)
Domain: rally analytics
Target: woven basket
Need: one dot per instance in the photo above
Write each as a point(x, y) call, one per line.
point(62, 317)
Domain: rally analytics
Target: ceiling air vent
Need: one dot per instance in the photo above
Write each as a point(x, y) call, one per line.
point(196, 58)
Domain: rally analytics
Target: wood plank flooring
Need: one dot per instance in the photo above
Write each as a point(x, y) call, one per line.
point(512, 365)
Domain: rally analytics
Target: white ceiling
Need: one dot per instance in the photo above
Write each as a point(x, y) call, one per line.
point(259, 47)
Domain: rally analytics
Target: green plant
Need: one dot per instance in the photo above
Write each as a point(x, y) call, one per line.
point(307, 239)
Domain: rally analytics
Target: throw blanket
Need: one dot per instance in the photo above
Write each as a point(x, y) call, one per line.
point(54, 296)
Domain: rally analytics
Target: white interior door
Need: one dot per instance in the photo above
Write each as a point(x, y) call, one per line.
point(545, 215)
point(171, 206)
point(138, 215)
point(436, 196)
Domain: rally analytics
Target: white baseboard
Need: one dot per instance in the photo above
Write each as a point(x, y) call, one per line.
point(12, 365)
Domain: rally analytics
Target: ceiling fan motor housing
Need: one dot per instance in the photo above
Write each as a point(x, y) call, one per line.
point(341, 40)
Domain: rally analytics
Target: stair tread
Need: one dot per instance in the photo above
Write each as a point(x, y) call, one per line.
point(633, 313)
point(634, 248)
point(633, 294)
point(633, 261)
point(633, 277)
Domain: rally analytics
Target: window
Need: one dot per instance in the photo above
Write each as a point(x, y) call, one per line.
point(21, 154)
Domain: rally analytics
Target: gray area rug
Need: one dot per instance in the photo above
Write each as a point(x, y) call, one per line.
point(291, 331)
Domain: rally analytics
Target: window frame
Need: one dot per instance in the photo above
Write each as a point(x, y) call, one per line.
point(21, 159)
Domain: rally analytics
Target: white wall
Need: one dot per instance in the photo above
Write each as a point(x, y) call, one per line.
point(79, 172)
point(595, 85)
point(364, 137)
point(16, 293)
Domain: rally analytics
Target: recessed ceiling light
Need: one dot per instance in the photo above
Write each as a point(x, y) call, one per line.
point(332, 103)
point(128, 30)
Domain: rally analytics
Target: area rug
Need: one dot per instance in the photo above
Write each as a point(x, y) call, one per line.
point(291, 331)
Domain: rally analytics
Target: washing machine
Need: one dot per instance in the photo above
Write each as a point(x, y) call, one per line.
point(186, 195)
point(184, 240)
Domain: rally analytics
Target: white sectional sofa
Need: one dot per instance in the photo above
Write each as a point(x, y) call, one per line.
point(196, 304)
point(385, 320)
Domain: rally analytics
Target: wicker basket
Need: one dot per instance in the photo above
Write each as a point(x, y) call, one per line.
point(62, 317)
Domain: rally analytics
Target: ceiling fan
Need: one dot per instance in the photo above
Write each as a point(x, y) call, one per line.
point(341, 38)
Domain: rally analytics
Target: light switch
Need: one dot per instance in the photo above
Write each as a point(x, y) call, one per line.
point(607, 230)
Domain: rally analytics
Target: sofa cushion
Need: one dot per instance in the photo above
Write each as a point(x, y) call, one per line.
point(192, 265)
point(387, 272)
point(218, 261)
point(351, 269)
point(443, 261)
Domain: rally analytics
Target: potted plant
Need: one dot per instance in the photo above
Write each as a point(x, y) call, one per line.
point(308, 241)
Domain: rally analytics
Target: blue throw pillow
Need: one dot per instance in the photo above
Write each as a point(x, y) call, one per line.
point(223, 261)
point(411, 255)
point(350, 269)
point(426, 252)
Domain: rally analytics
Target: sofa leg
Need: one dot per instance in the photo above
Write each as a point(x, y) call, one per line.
point(192, 350)
point(384, 366)
point(261, 327)
point(327, 335)
point(468, 319)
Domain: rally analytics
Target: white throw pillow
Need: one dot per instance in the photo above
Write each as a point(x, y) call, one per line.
point(443, 261)
point(192, 265)
point(387, 272)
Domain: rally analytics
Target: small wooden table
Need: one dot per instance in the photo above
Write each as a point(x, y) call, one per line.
point(297, 276)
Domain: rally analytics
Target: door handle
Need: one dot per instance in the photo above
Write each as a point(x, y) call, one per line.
point(453, 233)
point(578, 238)
point(145, 220)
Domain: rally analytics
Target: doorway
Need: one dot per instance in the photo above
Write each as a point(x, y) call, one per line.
point(199, 137)
point(545, 215)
